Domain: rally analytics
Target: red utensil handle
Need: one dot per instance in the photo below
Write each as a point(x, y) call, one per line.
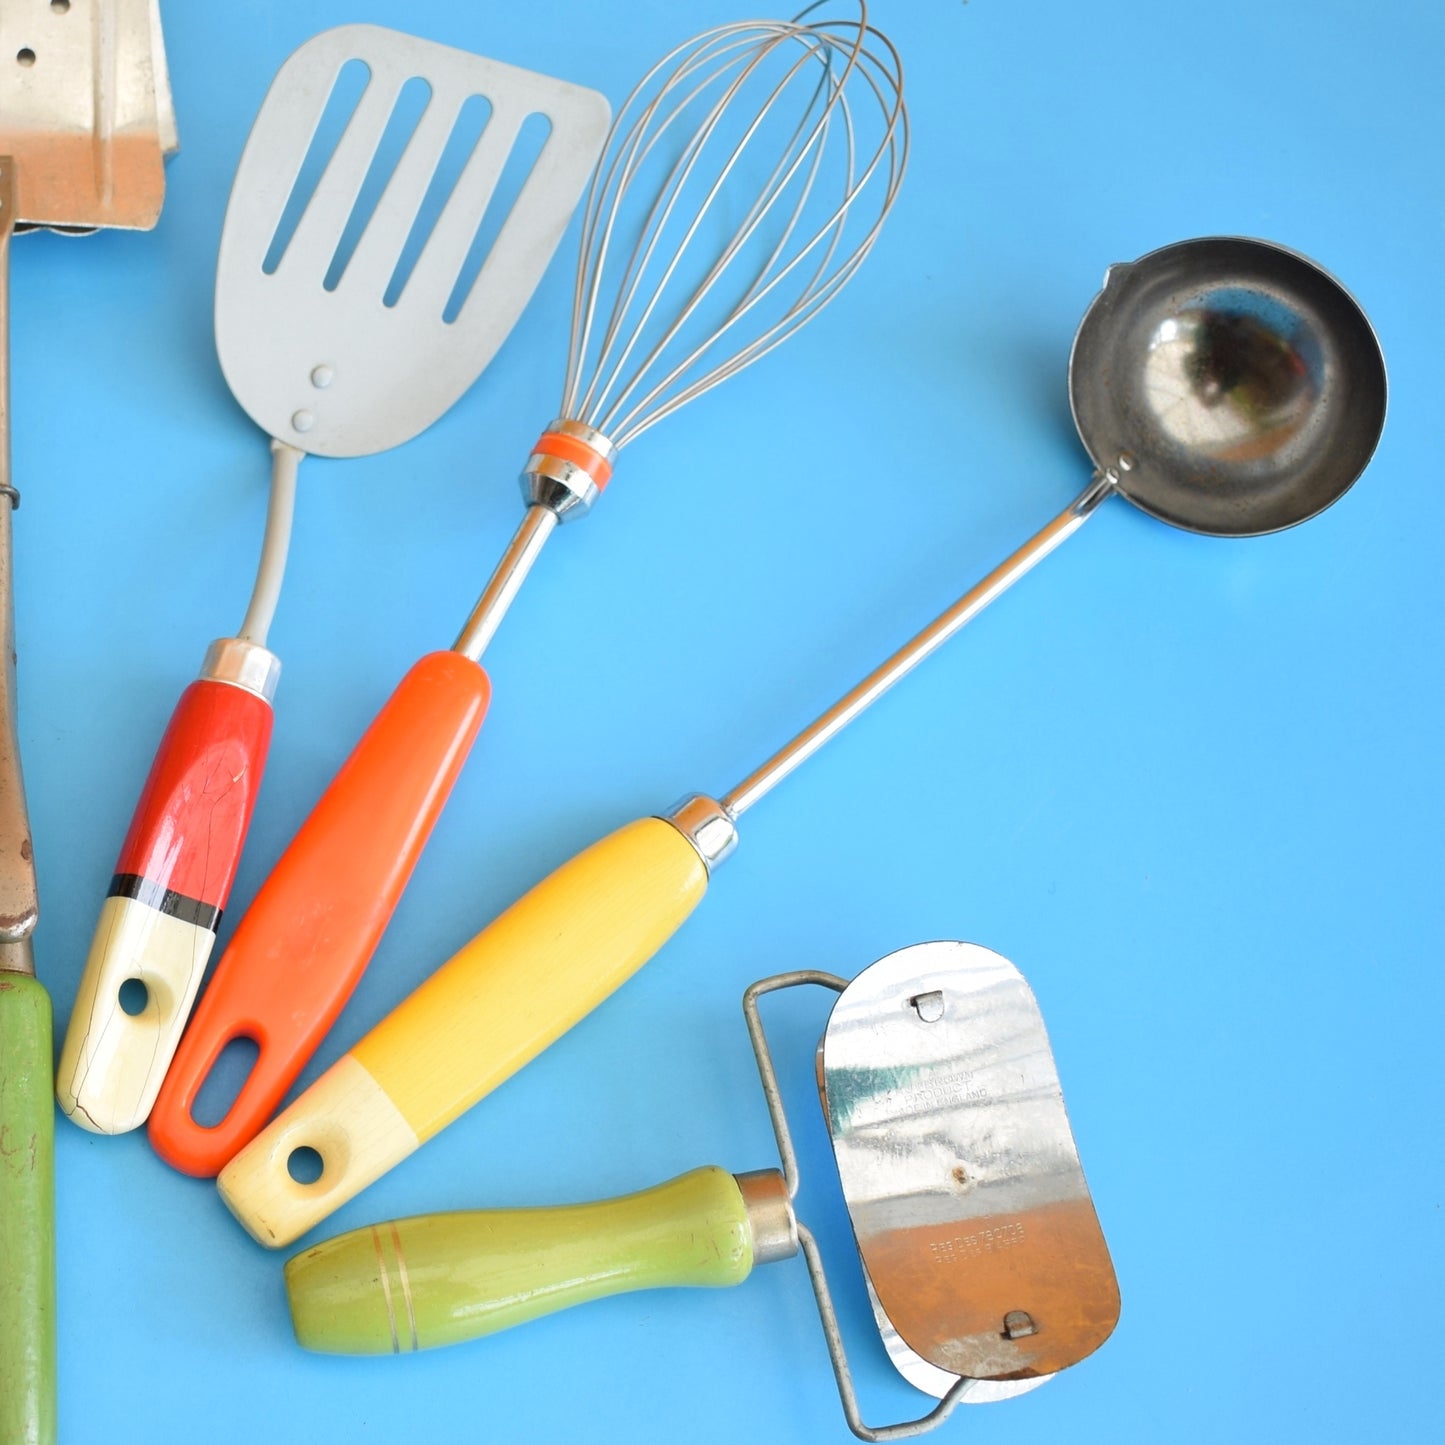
point(190, 824)
point(159, 920)
point(307, 937)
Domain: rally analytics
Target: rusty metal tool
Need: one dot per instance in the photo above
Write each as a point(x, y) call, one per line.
point(986, 1266)
point(86, 122)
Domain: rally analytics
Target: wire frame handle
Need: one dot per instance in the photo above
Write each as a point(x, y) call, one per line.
point(827, 1314)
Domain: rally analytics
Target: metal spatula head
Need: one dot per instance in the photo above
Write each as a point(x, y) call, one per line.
point(85, 111)
point(350, 318)
point(960, 1172)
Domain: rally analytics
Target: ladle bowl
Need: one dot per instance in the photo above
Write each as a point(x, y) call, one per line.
point(1228, 386)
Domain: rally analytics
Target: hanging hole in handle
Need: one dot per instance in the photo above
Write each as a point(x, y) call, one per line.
point(133, 997)
point(61, 7)
point(305, 1165)
point(25, 57)
point(224, 1081)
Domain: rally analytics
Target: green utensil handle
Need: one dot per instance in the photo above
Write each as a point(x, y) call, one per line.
point(27, 1214)
point(441, 1278)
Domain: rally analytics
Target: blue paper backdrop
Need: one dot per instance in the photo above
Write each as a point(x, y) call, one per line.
point(1192, 788)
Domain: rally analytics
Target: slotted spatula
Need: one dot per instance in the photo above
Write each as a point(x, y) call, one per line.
point(336, 365)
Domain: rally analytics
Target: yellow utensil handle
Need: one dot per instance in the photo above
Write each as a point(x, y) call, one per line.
point(550, 959)
point(437, 1279)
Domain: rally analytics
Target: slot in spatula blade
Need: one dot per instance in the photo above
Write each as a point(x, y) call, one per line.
point(341, 330)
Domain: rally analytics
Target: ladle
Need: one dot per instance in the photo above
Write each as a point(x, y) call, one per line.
point(1225, 385)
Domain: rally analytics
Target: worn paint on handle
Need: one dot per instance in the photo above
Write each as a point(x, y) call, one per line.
point(158, 924)
point(27, 1215)
point(437, 1279)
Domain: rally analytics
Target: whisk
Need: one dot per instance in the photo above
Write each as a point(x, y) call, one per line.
point(743, 183)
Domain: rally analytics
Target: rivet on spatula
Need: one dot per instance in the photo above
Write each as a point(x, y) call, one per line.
point(928, 1005)
point(1017, 1324)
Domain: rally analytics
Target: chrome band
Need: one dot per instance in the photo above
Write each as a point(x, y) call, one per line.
point(770, 1215)
point(18, 956)
point(561, 485)
point(707, 825)
point(243, 664)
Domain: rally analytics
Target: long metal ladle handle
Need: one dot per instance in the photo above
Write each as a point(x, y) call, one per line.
point(832, 722)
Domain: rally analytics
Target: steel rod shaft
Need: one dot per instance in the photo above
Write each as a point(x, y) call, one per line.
point(832, 722)
point(523, 550)
point(19, 902)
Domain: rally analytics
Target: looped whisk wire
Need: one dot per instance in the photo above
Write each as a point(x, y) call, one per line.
point(689, 262)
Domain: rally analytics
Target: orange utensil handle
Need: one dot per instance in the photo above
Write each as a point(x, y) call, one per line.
point(310, 932)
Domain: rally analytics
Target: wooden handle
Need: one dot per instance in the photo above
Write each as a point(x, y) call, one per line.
point(307, 937)
point(438, 1279)
point(159, 921)
point(550, 959)
point(27, 1214)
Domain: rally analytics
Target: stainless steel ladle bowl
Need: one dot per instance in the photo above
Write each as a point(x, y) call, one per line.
point(1223, 385)
point(1228, 386)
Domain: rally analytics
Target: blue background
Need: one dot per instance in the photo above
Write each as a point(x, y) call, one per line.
point(1192, 788)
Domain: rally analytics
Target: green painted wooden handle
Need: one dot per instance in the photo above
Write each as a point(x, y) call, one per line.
point(441, 1278)
point(27, 1215)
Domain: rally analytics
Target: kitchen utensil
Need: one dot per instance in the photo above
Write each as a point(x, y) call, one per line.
point(86, 122)
point(959, 1170)
point(330, 366)
point(688, 272)
point(1225, 385)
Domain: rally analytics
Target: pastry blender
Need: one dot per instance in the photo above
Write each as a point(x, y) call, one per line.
point(984, 1260)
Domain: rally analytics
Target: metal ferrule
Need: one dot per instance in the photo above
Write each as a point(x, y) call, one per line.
point(771, 1219)
point(18, 956)
point(243, 664)
point(561, 485)
point(706, 824)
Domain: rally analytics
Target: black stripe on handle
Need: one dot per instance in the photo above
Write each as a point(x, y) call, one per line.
point(165, 900)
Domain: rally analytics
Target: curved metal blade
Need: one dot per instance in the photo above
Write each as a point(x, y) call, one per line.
point(959, 1169)
point(929, 1378)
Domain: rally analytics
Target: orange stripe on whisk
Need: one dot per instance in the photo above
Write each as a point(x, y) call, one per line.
point(571, 449)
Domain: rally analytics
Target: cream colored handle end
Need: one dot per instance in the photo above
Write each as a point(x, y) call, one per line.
point(113, 1061)
point(523, 981)
point(347, 1120)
